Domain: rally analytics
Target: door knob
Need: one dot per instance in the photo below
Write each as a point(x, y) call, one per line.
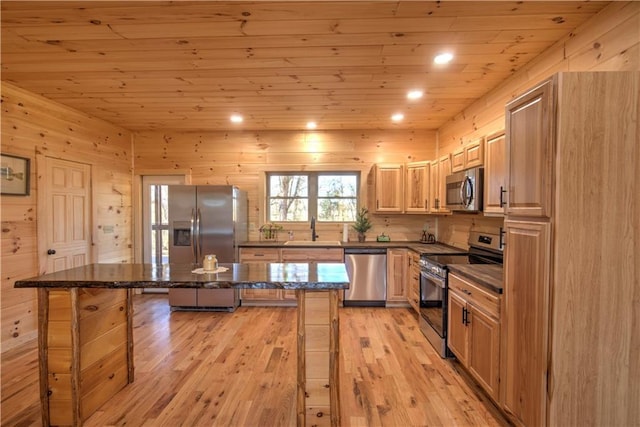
point(51, 252)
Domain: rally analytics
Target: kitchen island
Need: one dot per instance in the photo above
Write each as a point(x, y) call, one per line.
point(86, 339)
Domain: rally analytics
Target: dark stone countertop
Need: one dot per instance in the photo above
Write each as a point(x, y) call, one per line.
point(416, 246)
point(489, 276)
point(312, 275)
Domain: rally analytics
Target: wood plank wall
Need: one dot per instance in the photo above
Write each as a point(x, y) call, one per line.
point(241, 158)
point(610, 41)
point(31, 126)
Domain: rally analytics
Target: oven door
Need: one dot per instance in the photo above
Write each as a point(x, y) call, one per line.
point(433, 302)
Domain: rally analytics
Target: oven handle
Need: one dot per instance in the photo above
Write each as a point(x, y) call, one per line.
point(438, 280)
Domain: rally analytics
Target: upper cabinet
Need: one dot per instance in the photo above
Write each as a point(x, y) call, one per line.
point(444, 169)
point(417, 187)
point(529, 136)
point(468, 156)
point(389, 188)
point(494, 174)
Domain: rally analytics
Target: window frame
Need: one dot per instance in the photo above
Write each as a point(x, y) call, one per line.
point(312, 195)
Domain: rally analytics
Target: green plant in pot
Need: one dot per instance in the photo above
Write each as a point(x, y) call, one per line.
point(362, 224)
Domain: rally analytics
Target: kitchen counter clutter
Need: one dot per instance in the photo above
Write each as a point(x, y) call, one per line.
point(85, 329)
point(486, 275)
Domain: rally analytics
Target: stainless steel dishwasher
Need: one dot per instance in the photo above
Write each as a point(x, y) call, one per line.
point(367, 269)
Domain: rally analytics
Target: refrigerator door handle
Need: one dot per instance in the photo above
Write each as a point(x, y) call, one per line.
point(198, 236)
point(193, 235)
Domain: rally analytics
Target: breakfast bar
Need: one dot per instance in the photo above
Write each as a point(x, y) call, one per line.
point(85, 330)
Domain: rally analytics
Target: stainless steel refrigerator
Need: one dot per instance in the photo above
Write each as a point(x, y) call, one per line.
point(203, 220)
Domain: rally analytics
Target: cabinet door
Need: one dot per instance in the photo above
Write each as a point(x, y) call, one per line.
point(396, 275)
point(414, 281)
point(259, 255)
point(389, 188)
point(484, 350)
point(261, 294)
point(434, 194)
point(457, 160)
point(417, 187)
point(474, 154)
point(457, 329)
point(525, 321)
point(530, 148)
point(494, 175)
point(444, 169)
point(312, 254)
point(248, 255)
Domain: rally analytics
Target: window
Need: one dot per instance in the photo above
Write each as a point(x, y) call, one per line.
point(327, 196)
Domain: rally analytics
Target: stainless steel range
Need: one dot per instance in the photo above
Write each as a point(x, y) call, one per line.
point(484, 248)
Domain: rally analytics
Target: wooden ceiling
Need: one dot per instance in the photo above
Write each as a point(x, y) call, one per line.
point(345, 65)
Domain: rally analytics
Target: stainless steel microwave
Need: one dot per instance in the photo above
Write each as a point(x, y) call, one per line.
point(464, 190)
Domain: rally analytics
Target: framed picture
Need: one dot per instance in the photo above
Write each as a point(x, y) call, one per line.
point(14, 175)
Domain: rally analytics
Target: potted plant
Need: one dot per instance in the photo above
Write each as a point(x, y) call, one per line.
point(362, 224)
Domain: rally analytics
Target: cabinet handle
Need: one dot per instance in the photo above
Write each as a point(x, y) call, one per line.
point(465, 316)
point(426, 204)
point(502, 201)
point(502, 243)
point(377, 204)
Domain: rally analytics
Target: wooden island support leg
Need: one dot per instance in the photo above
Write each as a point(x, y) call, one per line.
point(318, 400)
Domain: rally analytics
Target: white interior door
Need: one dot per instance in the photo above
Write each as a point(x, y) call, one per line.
point(65, 204)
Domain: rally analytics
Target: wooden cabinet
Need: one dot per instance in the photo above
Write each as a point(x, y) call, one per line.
point(388, 188)
point(413, 287)
point(530, 125)
point(443, 170)
point(468, 156)
point(457, 338)
point(396, 277)
point(312, 254)
point(526, 308)
point(259, 255)
point(260, 296)
point(417, 185)
point(569, 319)
point(434, 202)
point(300, 254)
point(495, 174)
point(474, 331)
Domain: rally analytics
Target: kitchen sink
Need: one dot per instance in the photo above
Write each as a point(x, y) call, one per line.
point(312, 243)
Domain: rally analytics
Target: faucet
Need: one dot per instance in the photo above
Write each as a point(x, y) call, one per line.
point(313, 229)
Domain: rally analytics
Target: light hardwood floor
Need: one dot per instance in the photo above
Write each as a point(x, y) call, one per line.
point(222, 369)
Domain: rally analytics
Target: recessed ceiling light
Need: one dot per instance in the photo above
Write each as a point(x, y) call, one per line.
point(236, 118)
point(311, 125)
point(414, 94)
point(443, 58)
point(397, 117)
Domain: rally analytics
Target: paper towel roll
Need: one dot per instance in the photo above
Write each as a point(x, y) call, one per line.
point(345, 232)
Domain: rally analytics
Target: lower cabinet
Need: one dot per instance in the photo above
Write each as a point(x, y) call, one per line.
point(396, 277)
point(262, 296)
point(278, 296)
point(413, 287)
point(474, 331)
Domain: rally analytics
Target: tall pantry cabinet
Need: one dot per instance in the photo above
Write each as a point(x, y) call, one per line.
point(571, 336)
